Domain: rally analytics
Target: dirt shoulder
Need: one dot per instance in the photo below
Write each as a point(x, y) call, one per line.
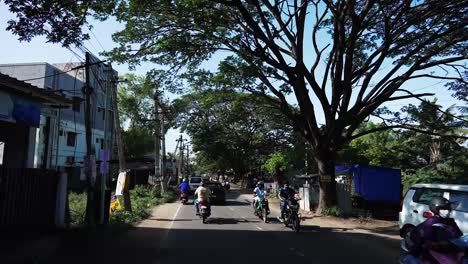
point(109, 244)
point(382, 228)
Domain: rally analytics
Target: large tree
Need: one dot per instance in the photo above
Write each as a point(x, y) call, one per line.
point(232, 131)
point(341, 59)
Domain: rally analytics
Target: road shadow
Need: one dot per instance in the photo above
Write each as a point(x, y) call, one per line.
point(169, 220)
point(155, 245)
point(228, 221)
point(237, 203)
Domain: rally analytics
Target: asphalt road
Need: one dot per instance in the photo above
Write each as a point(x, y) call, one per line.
point(173, 235)
point(234, 235)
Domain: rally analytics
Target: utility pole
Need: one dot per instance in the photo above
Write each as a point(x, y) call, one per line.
point(90, 217)
point(188, 162)
point(163, 150)
point(157, 138)
point(105, 147)
point(120, 149)
point(181, 158)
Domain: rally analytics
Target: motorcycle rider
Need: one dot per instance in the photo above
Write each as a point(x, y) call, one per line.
point(259, 194)
point(184, 186)
point(427, 237)
point(202, 193)
point(285, 193)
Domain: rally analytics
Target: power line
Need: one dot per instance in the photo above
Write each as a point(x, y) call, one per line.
point(97, 39)
point(60, 73)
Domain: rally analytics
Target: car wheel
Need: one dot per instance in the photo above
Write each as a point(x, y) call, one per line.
point(407, 230)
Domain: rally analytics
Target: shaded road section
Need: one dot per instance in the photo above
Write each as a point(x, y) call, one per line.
point(173, 234)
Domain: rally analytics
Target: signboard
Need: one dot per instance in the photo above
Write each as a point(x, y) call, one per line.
point(114, 205)
point(120, 183)
point(325, 178)
point(104, 167)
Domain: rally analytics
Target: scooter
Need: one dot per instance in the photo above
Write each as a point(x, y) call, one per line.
point(204, 210)
point(460, 257)
point(291, 214)
point(184, 198)
point(227, 186)
point(263, 211)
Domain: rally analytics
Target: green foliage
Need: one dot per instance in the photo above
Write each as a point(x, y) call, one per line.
point(77, 205)
point(231, 130)
point(138, 141)
point(143, 200)
point(451, 170)
point(277, 162)
point(332, 211)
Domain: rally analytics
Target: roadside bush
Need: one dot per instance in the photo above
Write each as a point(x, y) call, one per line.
point(143, 200)
point(332, 211)
point(77, 205)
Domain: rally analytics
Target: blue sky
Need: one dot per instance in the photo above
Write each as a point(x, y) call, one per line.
point(38, 50)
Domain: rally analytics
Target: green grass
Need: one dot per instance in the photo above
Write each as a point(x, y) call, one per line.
point(332, 211)
point(77, 204)
point(143, 200)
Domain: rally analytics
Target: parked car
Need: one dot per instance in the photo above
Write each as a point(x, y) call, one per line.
point(194, 183)
point(415, 205)
point(218, 194)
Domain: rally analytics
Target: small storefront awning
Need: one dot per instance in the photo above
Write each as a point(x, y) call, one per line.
point(21, 102)
point(34, 93)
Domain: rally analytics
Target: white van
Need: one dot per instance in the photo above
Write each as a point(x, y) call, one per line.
point(195, 182)
point(415, 205)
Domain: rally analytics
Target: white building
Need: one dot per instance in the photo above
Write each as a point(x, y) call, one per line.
point(60, 138)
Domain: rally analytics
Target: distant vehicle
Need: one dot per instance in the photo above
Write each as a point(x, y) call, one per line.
point(218, 193)
point(195, 182)
point(415, 206)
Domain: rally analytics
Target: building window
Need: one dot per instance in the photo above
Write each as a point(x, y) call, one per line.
point(71, 139)
point(76, 104)
point(61, 133)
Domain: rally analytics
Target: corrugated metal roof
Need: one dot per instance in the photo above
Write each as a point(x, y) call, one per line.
point(10, 84)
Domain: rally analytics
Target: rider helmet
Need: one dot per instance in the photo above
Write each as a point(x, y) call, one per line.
point(438, 204)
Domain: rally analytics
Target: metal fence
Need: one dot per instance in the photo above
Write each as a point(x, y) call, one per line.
point(27, 197)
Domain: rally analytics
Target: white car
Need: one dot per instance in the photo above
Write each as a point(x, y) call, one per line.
point(195, 182)
point(415, 205)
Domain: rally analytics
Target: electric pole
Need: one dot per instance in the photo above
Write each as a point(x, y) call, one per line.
point(120, 149)
point(90, 216)
point(188, 162)
point(181, 157)
point(157, 137)
point(163, 150)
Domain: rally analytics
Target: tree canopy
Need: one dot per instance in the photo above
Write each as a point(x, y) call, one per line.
point(232, 131)
point(340, 59)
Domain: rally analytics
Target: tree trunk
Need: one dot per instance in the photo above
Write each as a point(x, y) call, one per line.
point(326, 167)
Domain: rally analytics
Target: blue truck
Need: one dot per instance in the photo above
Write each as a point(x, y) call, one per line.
point(372, 187)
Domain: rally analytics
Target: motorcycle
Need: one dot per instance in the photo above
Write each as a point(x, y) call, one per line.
point(263, 210)
point(184, 198)
point(459, 256)
point(204, 209)
point(227, 186)
point(291, 214)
